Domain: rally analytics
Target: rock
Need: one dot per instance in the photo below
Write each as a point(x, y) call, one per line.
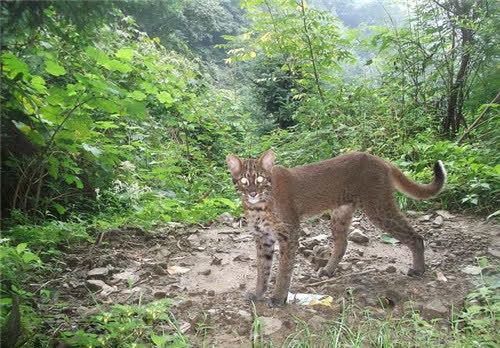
point(426, 217)
point(216, 261)
point(127, 276)
point(211, 293)
point(242, 258)
point(177, 270)
point(311, 242)
point(434, 309)
point(98, 273)
point(245, 315)
point(345, 266)
point(235, 225)
point(316, 322)
point(440, 276)
point(97, 285)
point(438, 221)
point(270, 325)
point(412, 213)
point(358, 236)
point(390, 269)
point(205, 272)
point(474, 270)
point(494, 250)
point(159, 294)
point(446, 215)
point(307, 232)
point(225, 218)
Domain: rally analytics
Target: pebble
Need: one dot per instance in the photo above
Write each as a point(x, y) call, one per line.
point(98, 273)
point(434, 309)
point(438, 221)
point(270, 325)
point(245, 315)
point(316, 322)
point(358, 236)
point(474, 270)
point(390, 269)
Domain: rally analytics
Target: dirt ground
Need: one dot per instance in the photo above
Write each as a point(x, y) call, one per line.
point(211, 267)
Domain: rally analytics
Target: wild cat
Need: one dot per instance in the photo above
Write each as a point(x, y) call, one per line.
point(275, 198)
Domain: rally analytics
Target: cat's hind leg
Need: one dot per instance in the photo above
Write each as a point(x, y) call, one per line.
point(340, 223)
point(386, 215)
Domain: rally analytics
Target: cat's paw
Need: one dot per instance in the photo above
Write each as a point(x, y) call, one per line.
point(414, 273)
point(324, 272)
point(253, 297)
point(276, 302)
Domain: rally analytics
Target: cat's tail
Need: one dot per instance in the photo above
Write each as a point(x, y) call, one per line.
point(420, 191)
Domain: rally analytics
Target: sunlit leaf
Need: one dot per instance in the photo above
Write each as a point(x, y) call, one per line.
point(54, 68)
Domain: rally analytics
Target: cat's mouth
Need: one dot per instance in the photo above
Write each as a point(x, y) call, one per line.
point(253, 200)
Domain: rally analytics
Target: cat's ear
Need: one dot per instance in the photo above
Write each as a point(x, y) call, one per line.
point(234, 164)
point(267, 160)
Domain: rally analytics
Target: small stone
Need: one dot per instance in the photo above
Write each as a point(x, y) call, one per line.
point(241, 258)
point(211, 293)
point(358, 237)
point(216, 261)
point(98, 273)
point(244, 315)
point(446, 215)
point(438, 221)
point(159, 294)
point(390, 269)
point(434, 309)
point(177, 270)
point(242, 286)
point(494, 250)
point(307, 231)
point(235, 225)
point(205, 272)
point(270, 325)
point(412, 213)
point(316, 322)
point(225, 218)
point(425, 218)
point(345, 266)
point(311, 242)
point(96, 284)
point(440, 276)
point(474, 270)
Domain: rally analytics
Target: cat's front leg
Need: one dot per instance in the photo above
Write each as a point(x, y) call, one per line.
point(289, 243)
point(264, 242)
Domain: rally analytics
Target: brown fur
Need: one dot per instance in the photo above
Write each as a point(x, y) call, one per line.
point(274, 207)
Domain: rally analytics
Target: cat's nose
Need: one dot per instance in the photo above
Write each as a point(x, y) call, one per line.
point(252, 194)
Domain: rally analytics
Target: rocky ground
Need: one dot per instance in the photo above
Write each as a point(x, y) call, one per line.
point(209, 269)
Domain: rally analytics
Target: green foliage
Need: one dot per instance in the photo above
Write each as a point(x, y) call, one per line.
point(131, 326)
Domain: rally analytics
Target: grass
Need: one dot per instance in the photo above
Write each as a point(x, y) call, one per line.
point(475, 325)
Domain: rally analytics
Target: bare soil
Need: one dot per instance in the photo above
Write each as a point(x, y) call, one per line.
point(209, 269)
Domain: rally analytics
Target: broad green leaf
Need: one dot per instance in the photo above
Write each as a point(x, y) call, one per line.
point(125, 53)
point(104, 105)
point(33, 135)
point(116, 65)
point(54, 68)
point(92, 149)
point(52, 114)
point(13, 65)
point(21, 247)
point(38, 83)
point(99, 56)
point(60, 209)
point(56, 96)
point(29, 256)
point(81, 124)
point(135, 108)
point(165, 98)
point(137, 95)
point(53, 168)
point(5, 301)
point(149, 88)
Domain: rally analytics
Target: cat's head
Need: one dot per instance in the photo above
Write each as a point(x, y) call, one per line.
point(252, 177)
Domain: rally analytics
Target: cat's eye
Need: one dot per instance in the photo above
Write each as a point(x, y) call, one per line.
point(260, 179)
point(244, 181)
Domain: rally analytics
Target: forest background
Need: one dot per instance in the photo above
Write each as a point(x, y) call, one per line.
point(124, 116)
